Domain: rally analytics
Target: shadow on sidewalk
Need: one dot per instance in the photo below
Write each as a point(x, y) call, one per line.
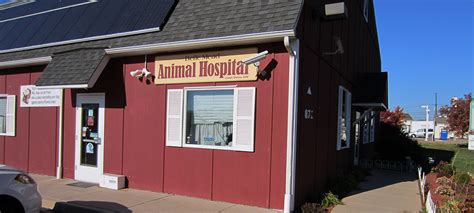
point(383, 178)
point(384, 191)
point(90, 206)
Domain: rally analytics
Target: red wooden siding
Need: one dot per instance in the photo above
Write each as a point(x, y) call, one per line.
point(279, 136)
point(143, 130)
point(134, 141)
point(43, 137)
point(317, 157)
point(135, 134)
point(31, 149)
point(16, 148)
point(69, 134)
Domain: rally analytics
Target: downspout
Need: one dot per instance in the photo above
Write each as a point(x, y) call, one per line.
point(292, 46)
point(59, 169)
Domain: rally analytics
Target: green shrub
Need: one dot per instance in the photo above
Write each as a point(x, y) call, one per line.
point(330, 199)
point(312, 208)
point(462, 178)
point(447, 170)
point(451, 205)
point(444, 181)
point(444, 190)
point(438, 167)
point(342, 185)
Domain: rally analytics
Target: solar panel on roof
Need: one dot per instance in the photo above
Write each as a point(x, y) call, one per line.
point(40, 22)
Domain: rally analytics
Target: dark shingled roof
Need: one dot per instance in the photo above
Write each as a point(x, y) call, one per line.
point(190, 19)
point(73, 67)
point(197, 19)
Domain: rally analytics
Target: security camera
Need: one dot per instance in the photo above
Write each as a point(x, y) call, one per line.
point(136, 73)
point(146, 73)
point(255, 59)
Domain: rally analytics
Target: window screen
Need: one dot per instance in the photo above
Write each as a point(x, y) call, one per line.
point(209, 117)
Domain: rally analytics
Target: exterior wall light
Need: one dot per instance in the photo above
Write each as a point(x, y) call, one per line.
point(335, 11)
point(339, 47)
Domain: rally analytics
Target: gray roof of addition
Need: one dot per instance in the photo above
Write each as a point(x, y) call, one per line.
point(72, 67)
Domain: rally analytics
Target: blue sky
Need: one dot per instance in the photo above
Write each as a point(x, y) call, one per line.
point(426, 47)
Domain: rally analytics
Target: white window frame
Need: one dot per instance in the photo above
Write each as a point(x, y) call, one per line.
point(348, 110)
point(234, 147)
point(185, 104)
point(10, 115)
point(366, 127)
point(365, 10)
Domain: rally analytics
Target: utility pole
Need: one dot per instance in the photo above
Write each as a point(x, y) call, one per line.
point(435, 115)
point(427, 110)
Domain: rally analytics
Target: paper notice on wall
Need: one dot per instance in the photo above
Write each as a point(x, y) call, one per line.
point(471, 142)
point(32, 96)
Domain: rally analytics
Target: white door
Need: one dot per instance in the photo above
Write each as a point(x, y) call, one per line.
point(90, 114)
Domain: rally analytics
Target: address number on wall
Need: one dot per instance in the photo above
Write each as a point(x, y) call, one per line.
point(308, 114)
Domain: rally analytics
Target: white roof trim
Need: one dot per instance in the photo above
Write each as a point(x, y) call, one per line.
point(93, 38)
point(25, 62)
point(71, 86)
point(244, 39)
point(370, 105)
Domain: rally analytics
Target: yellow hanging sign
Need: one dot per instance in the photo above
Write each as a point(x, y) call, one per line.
point(215, 66)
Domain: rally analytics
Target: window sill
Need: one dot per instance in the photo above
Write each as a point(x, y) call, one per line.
point(225, 148)
point(342, 148)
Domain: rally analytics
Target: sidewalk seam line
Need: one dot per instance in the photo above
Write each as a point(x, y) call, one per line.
point(227, 208)
point(149, 201)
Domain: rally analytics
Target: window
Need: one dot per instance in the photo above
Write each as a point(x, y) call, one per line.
point(211, 117)
point(7, 115)
point(366, 10)
point(372, 126)
point(344, 119)
point(366, 130)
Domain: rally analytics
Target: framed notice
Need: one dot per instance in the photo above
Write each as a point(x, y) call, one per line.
point(32, 96)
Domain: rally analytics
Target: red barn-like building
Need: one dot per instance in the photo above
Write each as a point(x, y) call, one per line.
point(251, 102)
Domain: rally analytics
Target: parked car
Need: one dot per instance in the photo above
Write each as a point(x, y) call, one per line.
point(18, 191)
point(420, 133)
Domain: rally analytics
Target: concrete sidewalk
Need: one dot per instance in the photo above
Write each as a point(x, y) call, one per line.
point(127, 200)
point(384, 191)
